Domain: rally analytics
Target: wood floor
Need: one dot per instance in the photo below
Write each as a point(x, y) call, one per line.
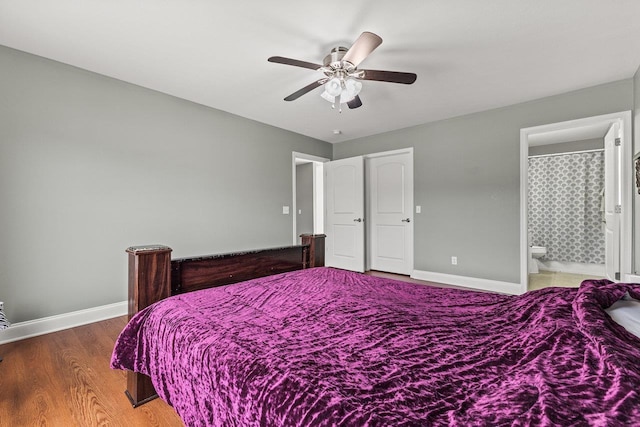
point(64, 379)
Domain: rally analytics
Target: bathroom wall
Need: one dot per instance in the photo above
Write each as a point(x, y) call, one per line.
point(565, 206)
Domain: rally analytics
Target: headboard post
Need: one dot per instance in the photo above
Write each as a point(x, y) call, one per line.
point(149, 281)
point(316, 249)
point(149, 276)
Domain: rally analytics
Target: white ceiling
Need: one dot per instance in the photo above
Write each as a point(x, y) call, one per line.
point(469, 55)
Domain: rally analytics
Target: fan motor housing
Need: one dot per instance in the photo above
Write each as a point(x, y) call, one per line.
point(334, 60)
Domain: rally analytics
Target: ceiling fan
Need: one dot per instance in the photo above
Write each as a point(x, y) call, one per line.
point(342, 82)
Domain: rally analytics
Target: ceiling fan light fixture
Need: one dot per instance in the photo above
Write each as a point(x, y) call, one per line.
point(343, 90)
point(352, 88)
point(325, 95)
point(333, 87)
point(344, 98)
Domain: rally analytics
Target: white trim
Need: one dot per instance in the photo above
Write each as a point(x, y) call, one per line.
point(318, 198)
point(524, 191)
point(294, 210)
point(624, 119)
point(628, 177)
point(309, 157)
point(468, 282)
point(389, 153)
point(45, 325)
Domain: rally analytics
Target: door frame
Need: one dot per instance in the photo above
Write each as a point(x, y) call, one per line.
point(295, 156)
point(626, 189)
point(367, 198)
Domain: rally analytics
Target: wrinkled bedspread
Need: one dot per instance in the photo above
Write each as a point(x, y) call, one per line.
point(331, 347)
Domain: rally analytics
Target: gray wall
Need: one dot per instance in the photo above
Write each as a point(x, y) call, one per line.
point(467, 178)
point(304, 198)
point(567, 147)
point(91, 165)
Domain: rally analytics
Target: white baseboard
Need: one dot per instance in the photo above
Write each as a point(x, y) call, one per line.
point(468, 282)
point(45, 325)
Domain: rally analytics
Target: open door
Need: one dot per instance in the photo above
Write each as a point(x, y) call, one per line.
point(345, 214)
point(612, 202)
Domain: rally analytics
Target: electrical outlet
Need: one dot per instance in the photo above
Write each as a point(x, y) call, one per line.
point(454, 260)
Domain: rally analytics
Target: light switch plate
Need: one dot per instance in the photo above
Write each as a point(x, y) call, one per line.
point(285, 210)
point(418, 209)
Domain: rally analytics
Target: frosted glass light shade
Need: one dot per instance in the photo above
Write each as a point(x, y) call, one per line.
point(333, 87)
point(351, 89)
point(328, 97)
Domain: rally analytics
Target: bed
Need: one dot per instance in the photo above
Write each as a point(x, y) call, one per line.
point(322, 346)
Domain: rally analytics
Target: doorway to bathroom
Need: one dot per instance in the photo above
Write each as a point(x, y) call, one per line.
point(308, 194)
point(574, 191)
point(566, 230)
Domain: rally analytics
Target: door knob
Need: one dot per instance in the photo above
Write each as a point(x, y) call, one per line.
point(358, 220)
point(406, 220)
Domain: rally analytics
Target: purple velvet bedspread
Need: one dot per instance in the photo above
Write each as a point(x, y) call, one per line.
point(330, 347)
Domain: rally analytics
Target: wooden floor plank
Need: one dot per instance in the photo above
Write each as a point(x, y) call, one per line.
point(24, 390)
point(64, 379)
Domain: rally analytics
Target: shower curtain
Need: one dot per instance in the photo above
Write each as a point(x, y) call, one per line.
point(565, 206)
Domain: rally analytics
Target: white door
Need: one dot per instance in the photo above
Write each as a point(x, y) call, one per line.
point(344, 244)
point(390, 181)
point(612, 202)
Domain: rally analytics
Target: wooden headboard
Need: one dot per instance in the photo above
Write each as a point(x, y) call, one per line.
point(153, 276)
point(191, 274)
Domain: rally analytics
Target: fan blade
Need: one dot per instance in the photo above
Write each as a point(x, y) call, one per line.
point(363, 46)
point(294, 62)
point(308, 88)
point(389, 76)
point(355, 102)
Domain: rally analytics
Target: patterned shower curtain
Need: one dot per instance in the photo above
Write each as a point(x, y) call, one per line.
point(565, 206)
